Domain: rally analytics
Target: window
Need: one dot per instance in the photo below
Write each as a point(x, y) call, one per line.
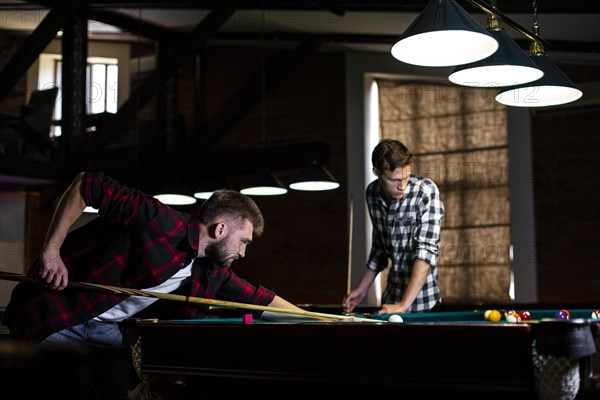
point(459, 137)
point(102, 82)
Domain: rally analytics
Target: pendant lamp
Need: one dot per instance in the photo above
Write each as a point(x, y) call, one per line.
point(207, 186)
point(508, 66)
point(444, 34)
point(554, 88)
point(175, 192)
point(264, 183)
point(314, 177)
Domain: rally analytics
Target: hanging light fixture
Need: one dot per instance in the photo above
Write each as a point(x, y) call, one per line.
point(203, 194)
point(508, 66)
point(175, 193)
point(444, 34)
point(264, 183)
point(206, 187)
point(314, 177)
point(554, 88)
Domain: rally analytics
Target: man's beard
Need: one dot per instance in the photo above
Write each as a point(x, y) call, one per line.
point(218, 253)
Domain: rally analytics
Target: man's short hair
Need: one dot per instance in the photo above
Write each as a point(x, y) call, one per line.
point(233, 205)
point(390, 154)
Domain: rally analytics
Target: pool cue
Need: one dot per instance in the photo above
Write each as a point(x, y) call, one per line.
point(350, 223)
point(11, 276)
point(349, 272)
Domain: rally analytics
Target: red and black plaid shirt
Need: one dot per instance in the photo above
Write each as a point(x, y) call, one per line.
point(136, 242)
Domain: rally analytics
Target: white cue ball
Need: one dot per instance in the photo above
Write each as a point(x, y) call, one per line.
point(511, 318)
point(395, 318)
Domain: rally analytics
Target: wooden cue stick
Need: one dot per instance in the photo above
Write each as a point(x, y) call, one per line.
point(11, 276)
point(350, 223)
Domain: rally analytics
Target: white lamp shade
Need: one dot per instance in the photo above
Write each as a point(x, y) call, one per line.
point(314, 178)
point(175, 193)
point(207, 186)
point(509, 66)
point(263, 183)
point(263, 191)
point(203, 194)
point(175, 199)
point(444, 34)
point(554, 88)
point(314, 186)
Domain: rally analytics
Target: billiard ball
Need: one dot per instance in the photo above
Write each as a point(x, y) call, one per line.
point(486, 315)
point(562, 314)
point(495, 316)
point(596, 314)
point(395, 318)
point(525, 315)
point(513, 317)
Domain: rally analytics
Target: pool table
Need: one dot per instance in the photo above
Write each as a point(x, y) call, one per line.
point(432, 354)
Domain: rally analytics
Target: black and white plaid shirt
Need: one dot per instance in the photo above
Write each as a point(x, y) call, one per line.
point(405, 230)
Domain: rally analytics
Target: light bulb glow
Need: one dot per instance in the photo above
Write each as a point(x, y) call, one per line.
point(444, 48)
point(314, 186)
point(495, 76)
point(264, 191)
point(175, 199)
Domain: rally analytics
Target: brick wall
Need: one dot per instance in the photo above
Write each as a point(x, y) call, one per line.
point(303, 253)
point(566, 160)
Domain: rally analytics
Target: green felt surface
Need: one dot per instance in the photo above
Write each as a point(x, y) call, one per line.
point(476, 316)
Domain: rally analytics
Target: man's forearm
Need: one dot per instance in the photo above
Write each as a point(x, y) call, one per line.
point(417, 280)
point(69, 209)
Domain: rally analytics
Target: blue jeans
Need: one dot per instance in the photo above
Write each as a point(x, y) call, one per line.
point(92, 333)
point(111, 371)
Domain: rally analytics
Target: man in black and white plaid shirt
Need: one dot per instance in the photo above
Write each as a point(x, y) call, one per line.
point(406, 212)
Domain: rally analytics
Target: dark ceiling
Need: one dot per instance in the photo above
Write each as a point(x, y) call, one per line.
point(569, 27)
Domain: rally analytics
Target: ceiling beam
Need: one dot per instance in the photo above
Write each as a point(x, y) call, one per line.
point(339, 7)
point(35, 43)
point(150, 86)
point(135, 26)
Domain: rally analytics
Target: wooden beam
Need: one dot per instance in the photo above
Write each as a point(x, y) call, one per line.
point(35, 43)
point(339, 7)
point(185, 49)
point(74, 84)
point(135, 26)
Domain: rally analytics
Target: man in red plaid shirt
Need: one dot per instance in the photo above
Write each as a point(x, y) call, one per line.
point(136, 242)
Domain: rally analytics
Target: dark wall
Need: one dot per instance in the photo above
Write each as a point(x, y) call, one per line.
point(567, 198)
point(302, 254)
